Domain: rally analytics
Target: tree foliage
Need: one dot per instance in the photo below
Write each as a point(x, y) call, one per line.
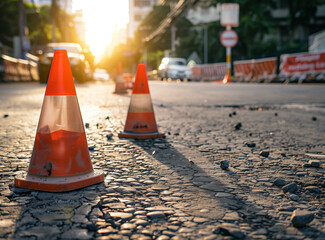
point(38, 20)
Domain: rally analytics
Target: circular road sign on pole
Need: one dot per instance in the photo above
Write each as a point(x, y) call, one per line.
point(229, 38)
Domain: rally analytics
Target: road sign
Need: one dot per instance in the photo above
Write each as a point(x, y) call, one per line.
point(127, 54)
point(230, 14)
point(229, 38)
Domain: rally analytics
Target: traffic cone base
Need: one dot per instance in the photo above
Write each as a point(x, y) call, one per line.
point(141, 122)
point(59, 184)
point(60, 159)
point(148, 135)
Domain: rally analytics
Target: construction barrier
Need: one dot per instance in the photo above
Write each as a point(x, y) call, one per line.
point(33, 70)
point(23, 70)
point(10, 69)
point(209, 72)
point(128, 80)
point(14, 70)
point(302, 67)
point(255, 70)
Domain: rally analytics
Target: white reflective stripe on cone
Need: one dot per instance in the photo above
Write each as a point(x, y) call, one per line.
point(140, 103)
point(60, 113)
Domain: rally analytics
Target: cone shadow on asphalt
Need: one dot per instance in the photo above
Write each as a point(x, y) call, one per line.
point(188, 170)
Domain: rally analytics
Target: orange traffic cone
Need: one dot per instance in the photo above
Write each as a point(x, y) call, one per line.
point(140, 121)
point(119, 81)
point(226, 79)
point(60, 160)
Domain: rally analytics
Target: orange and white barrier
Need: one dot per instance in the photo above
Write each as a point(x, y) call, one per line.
point(196, 72)
point(14, 70)
point(303, 66)
point(209, 72)
point(140, 121)
point(23, 70)
point(60, 159)
point(10, 69)
point(33, 70)
point(128, 80)
point(243, 70)
point(255, 70)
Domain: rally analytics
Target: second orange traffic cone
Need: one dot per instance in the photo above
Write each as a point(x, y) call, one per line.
point(60, 160)
point(119, 81)
point(226, 79)
point(140, 121)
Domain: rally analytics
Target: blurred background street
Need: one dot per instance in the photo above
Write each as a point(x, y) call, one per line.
point(191, 40)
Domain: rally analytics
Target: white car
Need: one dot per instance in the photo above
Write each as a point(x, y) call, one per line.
point(174, 68)
point(101, 75)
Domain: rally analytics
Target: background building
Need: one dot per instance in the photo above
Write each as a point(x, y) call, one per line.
point(79, 25)
point(138, 9)
point(203, 12)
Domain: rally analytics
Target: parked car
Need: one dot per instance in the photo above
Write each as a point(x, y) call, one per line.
point(101, 75)
point(79, 66)
point(174, 68)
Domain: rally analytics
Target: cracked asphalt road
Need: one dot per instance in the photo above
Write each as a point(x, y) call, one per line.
point(174, 188)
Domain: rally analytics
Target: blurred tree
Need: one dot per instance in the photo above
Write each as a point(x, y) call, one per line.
point(38, 23)
point(301, 13)
point(8, 20)
point(156, 47)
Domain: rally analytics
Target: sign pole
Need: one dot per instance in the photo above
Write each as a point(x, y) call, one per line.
point(228, 53)
point(229, 38)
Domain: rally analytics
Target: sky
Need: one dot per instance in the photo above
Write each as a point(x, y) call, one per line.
point(100, 17)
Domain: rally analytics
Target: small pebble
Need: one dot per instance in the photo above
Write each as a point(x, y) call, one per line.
point(92, 227)
point(314, 163)
point(91, 148)
point(293, 196)
point(238, 126)
point(264, 153)
point(224, 164)
point(250, 144)
point(313, 189)
point(291, 187)
point(301, 218)
point(109, 136)
point(280, 182)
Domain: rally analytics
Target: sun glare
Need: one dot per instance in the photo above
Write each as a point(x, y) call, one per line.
point(101, 17)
